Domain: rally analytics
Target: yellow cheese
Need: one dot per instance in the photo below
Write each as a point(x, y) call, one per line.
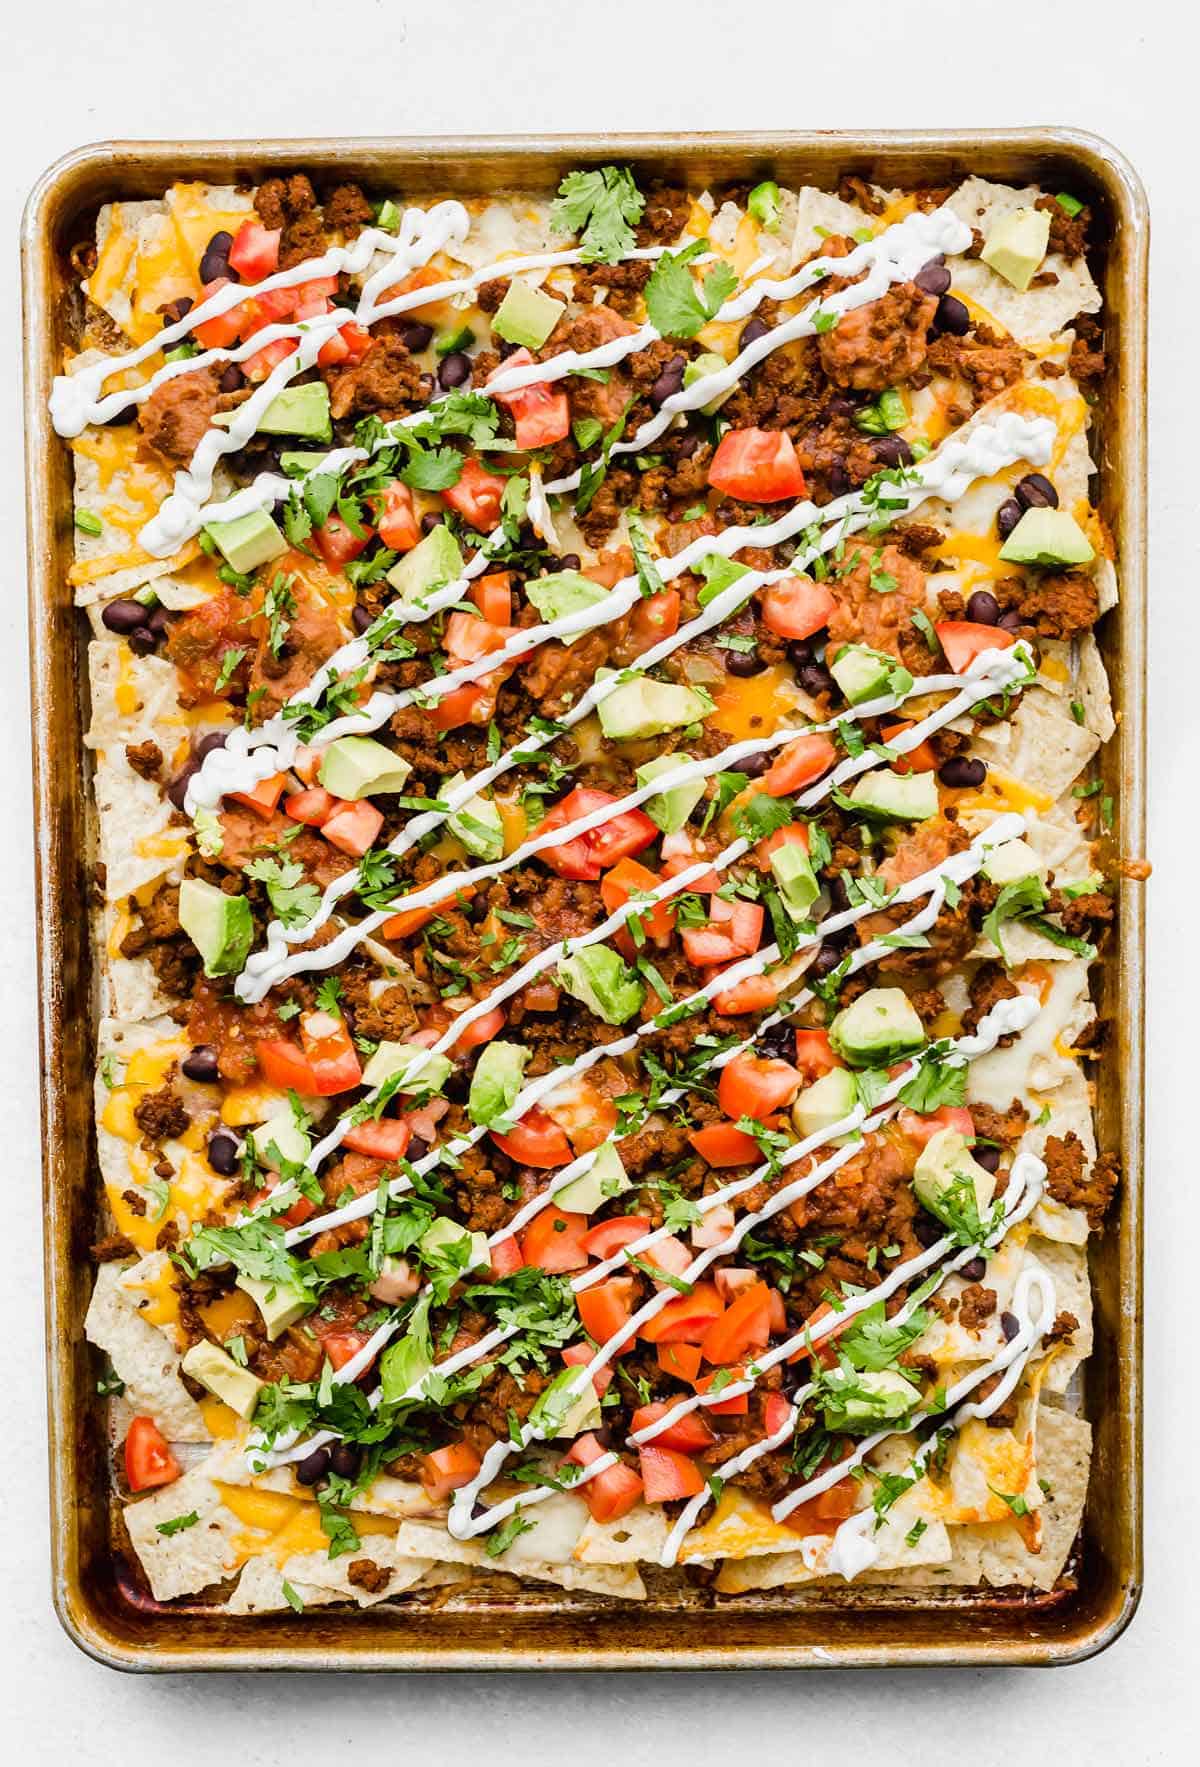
point(246, 1105)
point(113, 262)
point(91, 570)
point(281, 1525)
point(219, 1420)
point(514, 822)
point(1005, 793)
point(1053, 668)
point(162, 1296)
point(195, 219)
point(111, 451)
point(122, 922)
point(125, 693)
point(755, 705)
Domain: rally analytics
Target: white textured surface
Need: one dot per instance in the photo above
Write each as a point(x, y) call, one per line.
point(76, 72)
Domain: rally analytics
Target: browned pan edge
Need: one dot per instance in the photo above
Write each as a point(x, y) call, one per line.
point(97, 1612)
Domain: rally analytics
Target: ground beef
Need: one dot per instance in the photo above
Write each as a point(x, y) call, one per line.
point(134, 1202)
point(348, 210)
point(989, 985)
point(486, 1418)
point(985, 361)
point(364, 1573)
point(882, 343)
point(1052, 604)
point(1084, 917)
point(112, 1247)
point(1068, 233)
point(860, 194)
point(1065, 1326)
point(620, 285)
point(387, 382)
point(1005, 1415)
point(1069, 1182)
point(161, 1116)
point(391, 1018)
point(291, 205)
point(1086, 361)
point(664, 216)
point(157, 936)
point(1005, 1128)
point(145, 758)
point(976, 1305)
point(928, 1003)
point(617, 493)
point(604, 400)
point(178, 414)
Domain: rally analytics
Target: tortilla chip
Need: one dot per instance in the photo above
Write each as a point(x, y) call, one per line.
point(1092, 690)
point(183, 1563)
point(316, 1579)
point(545, 1553)
point(143, 1358)
point(131, 695)
point(1034, 1064)
point(639, 1535)
point(1035, 312)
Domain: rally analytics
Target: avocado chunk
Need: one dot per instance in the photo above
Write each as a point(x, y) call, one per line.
point(671, 809)
point(281, 1138)
point(394, 1059)
point(699, 368)
point(1048, 537)
point(219, 926)
point(496, 1080)
point(566, 592)
point(860, 1401)
point(280, 1303)
point(448, 1242)
point(879, 1028)
point(606, 986)
point(299, 411)
point(1011, 861)
point(592, 1189)
point(357, 766)
point(826, 1102)
point(526, 316)
point(300, 460)
point(433, 562)
point(402, 1366)
point(720, 573)
point(641, 707)
point(215, 1369)
point(476, 823)
point(1016, 246)
point(865, 674)
point(247, 541)
point(798, 885)
point(764, 203)
point(886, 796)
point(952, 1185)
point(567, 1407)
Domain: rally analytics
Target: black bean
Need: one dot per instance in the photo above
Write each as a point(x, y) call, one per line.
point(841, 408)
point(201, 1064)
point(312, 1469)
point(754, 765)
point(1007, 517)
point(892, 451)
point(1010, 1326)
point(752, 331)
point(127, 414)
point(433, 518)
point(418, 1147)
point(454, 370)
point(159, 622)
point(961, 771)
point(669, 381)
point(570, 561)
point(360, 619)
point(840, 481)
point(838, 893)
point(1011, 621)
point(124, 616)
point(692, 439)
point(345, 1460)
point(799, 651)
point(232, 378)
point(983, 608)
point(215, 261)
point(174, 311)
point(814, 679)
point(744, 662)
point(223, 1153)
point(143, 641)
point(779, 1043)
point(987, 1157)
point(933, 278)
point(214, 740)
point(415, 335)
point(827, 959)
point(952, 316)
point(1035, 491)
point(927, 1230)
point(972, 1270)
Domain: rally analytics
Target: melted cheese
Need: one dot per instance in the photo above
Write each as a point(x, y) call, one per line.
point(754, 705)
point(281, 1525)
point(1002, 792)
point(162, 1296)
point(91, 570)
point(245, 1105)
point(113, 262)
point(219, 1420)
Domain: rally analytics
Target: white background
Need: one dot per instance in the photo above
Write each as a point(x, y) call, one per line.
point(93, 69)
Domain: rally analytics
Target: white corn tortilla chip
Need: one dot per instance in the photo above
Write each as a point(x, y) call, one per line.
point(316, 1579)
point(1033, 313)
point(143, 1358)
point(1034, 1064)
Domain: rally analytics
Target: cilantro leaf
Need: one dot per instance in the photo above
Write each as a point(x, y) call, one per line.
point(677, 308)
point(602, 207)
point(293, 901)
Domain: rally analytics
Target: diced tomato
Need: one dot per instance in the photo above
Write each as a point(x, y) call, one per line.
point(738, 1405)
point(689, 1433)
point(778, 1313)
point(757, 466)
point(448, 1469)
point(799, 764)
point(352, 827)
point(259, 365)
point(652, 619)
point(628, 878)
point(797, 607)
point(922, 1128)
point(918, 760)
point(285, 1065)
point(254, 253)
point(823, 1348)
point(681, 1361)
point(270, 306)
point(792, 834)
point(733, 930)
point(386, 1139)
point(343, 1346)
point(714, 1226)
point(398, 525)
point(964, 640)
point(606, 1307)
point(148, 1460)
point(467, 637)
point(542, 415)
point(667, 1257)
point(302, 1209)
point(745, 1325)
point(330, 1052)
point(586, 1116)
point(312, 807)
point(536, 1141)
point(552, 1241)
point(469, 704)
point(680, 853)
point(825, 1513)
point(814, 1055)
point(612, 1493)
point(723, 1144)
point(222, 330)
point(317, 288)
point(492, 595)
point(337, 542)
point(506, 1256)
point(776, 1412)
point(733, 1280)
point(477, 494)
point(756, 1086)
point(753, 994)
point(481, 1031)
point(408, 920)
point(667, 1474)
point(576, 1355)
point(607, 1238)
point(348, 344)
point(587, 855)
point(263, 797)
point(684, 1321)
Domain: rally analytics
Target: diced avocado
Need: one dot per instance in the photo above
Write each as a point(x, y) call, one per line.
point(1047, 536)
point(299, 411)
point(391, 1059)
point(279, 1303)
point(401, 1366)
point(877, 1029)
point(564, 593)
point(606, 986)
point(476, 823)
point(798, 884)
point(592, 1189)
point(641, 707)
point(699, 368)
point(450, 1241)
point(435, 560)
point(864, 674)
point(247, 541)
point(1011, 861)
point(357, 766)
point(450, 342)
point(952, 1185)
point(298, 460)
point(861, 1401)
point(826, 1102)
point(567, 1407)
point(282, 1138)
point(220, 927)
point(886, 796)
point(671, 809)
point(526, 315)
point(496, 1080)
point(215, 1369)
point(763, 204)
point(1016, 246)
point(388, 217)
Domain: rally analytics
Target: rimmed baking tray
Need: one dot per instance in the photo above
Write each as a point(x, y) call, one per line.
point(97, 1602)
